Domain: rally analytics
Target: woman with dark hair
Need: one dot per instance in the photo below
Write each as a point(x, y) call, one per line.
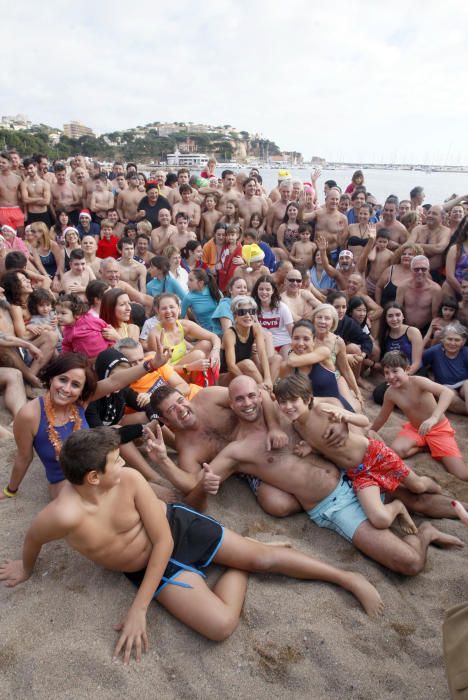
point(447, 313)
point(273, 314)
point(62, 221)
point(357, 180)
point(192, 256)
point(116, 310)
point(457, 260)
point(319, 278)
point(396, 335)
point(17, 288)
point(202, 300)
point(45, 422)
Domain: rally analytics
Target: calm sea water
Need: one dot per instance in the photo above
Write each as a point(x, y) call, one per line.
point(381, 183)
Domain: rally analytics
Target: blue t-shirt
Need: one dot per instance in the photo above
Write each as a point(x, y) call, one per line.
point(223, 310)
point(94, 230)
point(168, 284)
point(269, 260)
point(203, 306)
point(446, 371)
point(352, 218)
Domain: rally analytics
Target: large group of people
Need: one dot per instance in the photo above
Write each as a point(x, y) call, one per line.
point(244, 331)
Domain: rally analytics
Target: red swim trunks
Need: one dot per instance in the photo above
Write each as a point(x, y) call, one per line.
point(440, 439)
point(381, 467)
point(11, 216)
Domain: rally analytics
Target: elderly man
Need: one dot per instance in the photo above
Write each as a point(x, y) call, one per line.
point(434, 238)
point(420, 297)
point(109, 271)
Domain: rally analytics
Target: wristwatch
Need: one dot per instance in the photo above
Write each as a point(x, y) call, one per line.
point(148, 367)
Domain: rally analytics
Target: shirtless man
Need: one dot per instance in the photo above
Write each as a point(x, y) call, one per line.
point(398, 233)
point(78, 276)
point(15, 161)
point(229, 190)
point(330, 223)
point(420, 297)
point(10, 211)
point(160, 177)
point(346, 260)
point(101, 198)
point(160, 236)
point(142, 249)
point(42, 163)
point(301, 302)
point(183, 178)
point(250, 203)
point(118, 227)
point(433, 237)
point(183, 234)
point(35, 194)
point(277, 210)
point(129, 199)
point(89, 247)
point(404, 208)
point(190, 208)
point(109, 271)
point(130, 270)
point(317, 484)
point(454, 218)
point(65, 195)
point(417, 198)
point(111, 515)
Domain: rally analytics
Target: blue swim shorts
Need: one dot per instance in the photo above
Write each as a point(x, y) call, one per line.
point(340, 511)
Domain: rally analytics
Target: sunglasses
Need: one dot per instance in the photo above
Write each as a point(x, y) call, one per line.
point(420, 269)
point(294, 280)
point(245, 312)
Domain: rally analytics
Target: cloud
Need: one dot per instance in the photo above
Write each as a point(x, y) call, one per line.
point(358, 80)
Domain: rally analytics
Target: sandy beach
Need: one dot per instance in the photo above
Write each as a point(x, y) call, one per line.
point(295, 638)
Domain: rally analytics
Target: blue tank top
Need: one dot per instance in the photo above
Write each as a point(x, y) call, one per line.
point(49, 264)
point(403, 344)
point(45, 449)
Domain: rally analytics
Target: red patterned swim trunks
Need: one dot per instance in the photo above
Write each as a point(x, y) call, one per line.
point(381, 467)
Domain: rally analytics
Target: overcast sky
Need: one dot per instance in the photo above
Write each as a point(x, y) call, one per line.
point(360, 80)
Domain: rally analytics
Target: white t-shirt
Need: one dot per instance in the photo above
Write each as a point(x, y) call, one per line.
point(276, 322)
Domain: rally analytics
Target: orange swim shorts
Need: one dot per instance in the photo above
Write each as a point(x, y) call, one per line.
point(440, 439)
point(381, 467)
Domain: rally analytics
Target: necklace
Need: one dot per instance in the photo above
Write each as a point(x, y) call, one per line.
point(54, 438)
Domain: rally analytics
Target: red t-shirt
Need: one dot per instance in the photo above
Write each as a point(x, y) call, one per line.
point(107, 248)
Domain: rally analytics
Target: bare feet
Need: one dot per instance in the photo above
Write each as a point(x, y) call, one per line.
point(406, 523)
point(430, 486)
point(461, 512)
point(365, 592)
point(440, 538)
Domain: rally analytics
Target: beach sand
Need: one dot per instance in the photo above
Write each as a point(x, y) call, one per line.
point(295, 638)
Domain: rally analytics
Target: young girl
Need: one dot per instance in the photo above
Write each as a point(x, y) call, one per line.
point(370, 465)
point(41, 305)
point(302, 251)
point(192, 256)
point(210, 216)
point(231, 257)
point(82, 330)
point(357, 310)
point(256, 222)
point(447, 314)
point(288, 232)
point(273, 314)
point(231, 214)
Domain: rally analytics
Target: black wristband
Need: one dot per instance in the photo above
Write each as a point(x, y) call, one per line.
point(147, 366)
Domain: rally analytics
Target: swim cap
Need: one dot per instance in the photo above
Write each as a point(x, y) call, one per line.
point(284, 175)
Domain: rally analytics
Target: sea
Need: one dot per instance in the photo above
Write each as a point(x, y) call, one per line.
point(438, 186)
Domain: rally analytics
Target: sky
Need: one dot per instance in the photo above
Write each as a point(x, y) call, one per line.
point(355, 80)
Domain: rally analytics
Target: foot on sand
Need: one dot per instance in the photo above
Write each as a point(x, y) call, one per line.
point(365, 592)
point(406, 522)
point(439, 538)
point(430, 485)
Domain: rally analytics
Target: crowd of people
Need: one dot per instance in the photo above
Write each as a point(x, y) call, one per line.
point(242, 332)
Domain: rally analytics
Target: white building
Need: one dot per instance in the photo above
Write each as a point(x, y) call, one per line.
point(186, 160)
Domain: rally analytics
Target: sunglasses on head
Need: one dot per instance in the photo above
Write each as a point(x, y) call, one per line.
point(245, 312)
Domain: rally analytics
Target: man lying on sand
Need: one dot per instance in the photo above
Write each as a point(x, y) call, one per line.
point(111, 515)
point(316, 483)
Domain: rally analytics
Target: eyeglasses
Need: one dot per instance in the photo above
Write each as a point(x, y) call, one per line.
point(294, 280)
point(420, 269)
point(245, 312)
